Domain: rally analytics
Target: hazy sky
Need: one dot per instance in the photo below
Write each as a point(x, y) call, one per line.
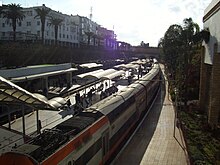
point(132, 20)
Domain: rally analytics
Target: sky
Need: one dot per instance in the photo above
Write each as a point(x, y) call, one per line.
point(132, 20)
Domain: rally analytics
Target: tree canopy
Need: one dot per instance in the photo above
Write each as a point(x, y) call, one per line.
point(56, 22)
point(13, 14)
point(179, 52)
point(42, 13)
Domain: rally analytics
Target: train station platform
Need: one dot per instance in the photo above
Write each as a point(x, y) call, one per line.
point(158, 141)
point(48, 118)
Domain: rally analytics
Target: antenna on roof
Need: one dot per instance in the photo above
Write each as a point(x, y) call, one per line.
point(90, 16)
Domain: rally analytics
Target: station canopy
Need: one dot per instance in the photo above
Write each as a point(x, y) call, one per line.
point(126, 66)
point(35, 76)
point(140, 62)
point(83, 75)
point(13, 94)
point(100, 74)
point(113, 75)
point(90, 65)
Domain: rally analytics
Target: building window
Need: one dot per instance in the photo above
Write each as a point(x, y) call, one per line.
point(3, 24)
point(38, 33)
point(28, 23)
point(28, 32)
point(19, 24)
point(67, 36)
point(47, 33)
point(60, 35)
point(63, 35)
point(3, 34)
point(38, 23)
point(29, 13)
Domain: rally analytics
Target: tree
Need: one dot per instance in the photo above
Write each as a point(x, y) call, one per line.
point(13, 12)
point(42, 13)
point(89, 35)
point(99, 37)
point(190, 29)
point(179, 50)
point(2, 9)
point(56, 22)
point(171, 44)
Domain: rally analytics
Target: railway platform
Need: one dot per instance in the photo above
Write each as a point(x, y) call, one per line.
point(158, 141)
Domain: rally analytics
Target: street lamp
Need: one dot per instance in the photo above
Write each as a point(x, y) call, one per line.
point(175, 111)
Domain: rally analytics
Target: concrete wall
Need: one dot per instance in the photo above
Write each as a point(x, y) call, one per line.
point(211, 22)
point(210, 66)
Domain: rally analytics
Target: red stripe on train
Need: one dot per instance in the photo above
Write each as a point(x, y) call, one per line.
point(68, 148)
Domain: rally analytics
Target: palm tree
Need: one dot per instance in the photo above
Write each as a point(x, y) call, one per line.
point(42, 13)
point(190, 29)
point(13, 12)
point(89, 35)
point(56, 22)
point(2, 9)
point(179, 48)
point(99, 37)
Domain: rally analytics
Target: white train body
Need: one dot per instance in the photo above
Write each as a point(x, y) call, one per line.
point(96, 135)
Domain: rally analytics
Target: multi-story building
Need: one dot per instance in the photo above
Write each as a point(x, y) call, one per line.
point(87, 30)
point(210, 65)
point(29, 29)
point(74, 30)
point(108, 38)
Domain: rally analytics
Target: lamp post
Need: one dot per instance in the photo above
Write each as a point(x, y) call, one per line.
point(175, 112)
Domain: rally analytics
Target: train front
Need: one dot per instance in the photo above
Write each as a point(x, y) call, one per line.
point(16, 158)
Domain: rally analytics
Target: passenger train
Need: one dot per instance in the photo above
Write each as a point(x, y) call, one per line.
point(97, 134)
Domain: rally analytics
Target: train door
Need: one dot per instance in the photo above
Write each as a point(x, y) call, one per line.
point(105, 144)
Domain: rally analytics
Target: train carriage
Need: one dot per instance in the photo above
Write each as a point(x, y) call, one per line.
point(94, 136)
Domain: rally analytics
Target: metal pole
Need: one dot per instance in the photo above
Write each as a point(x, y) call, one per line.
point(23, 120)
point(9, 118)
point(175, 115)
point(37, 115)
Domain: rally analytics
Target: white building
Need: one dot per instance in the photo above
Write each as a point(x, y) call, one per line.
point(108, 38)
point(87, 26)
point(210, 68)
point(29, 29)
point(74, 30)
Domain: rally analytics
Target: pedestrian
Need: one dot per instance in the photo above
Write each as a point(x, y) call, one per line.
point(90, 96)
point(106, 84)
point(129, 80)
point(77, 98)
point(140, 71)
point(68, 104)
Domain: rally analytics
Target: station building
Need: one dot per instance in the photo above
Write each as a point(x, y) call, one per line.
point(210, 65)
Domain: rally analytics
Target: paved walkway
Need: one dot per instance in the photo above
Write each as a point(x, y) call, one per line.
point(154, 143)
